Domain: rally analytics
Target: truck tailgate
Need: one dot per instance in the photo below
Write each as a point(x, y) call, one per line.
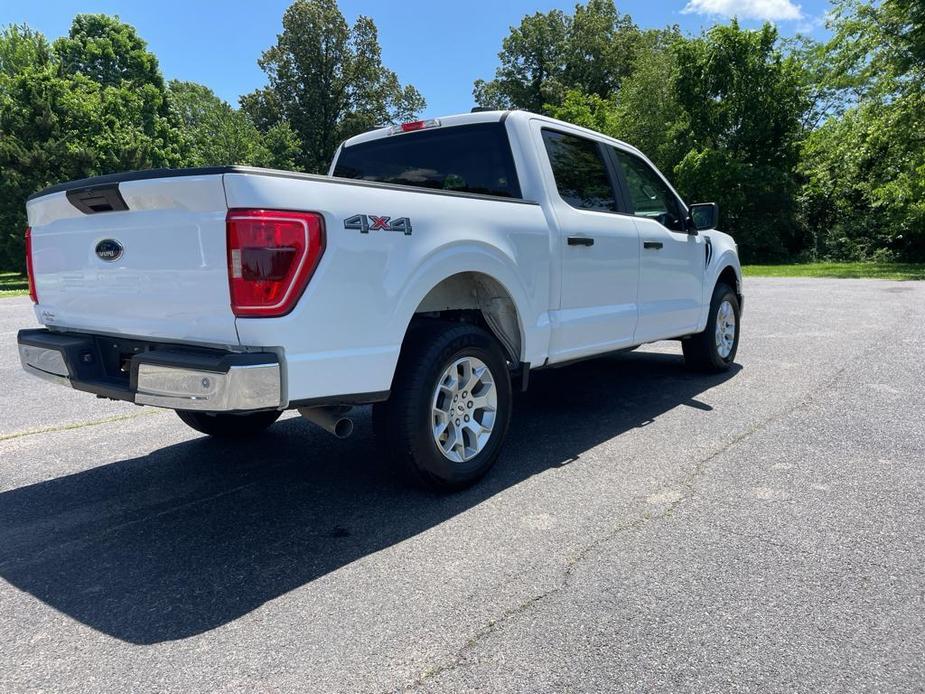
point(144, 258)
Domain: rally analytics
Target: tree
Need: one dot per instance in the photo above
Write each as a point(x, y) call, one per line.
point(649, 114)
point(262, 107)
point(108, 52)
point(550, 54)
point(588, 111)
point(902, 23)
point(327, 81)
point(281, 149)
point(217, 134)
point(532, 68)
point(645, 111)
point(22, 47)
point(864, 190)
point(743, 104)
point(602, 46)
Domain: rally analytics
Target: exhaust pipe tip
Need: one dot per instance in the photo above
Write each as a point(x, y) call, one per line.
point(331, 419)
point(343, 428)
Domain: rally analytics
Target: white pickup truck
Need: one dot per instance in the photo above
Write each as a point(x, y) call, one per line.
point(438, 262)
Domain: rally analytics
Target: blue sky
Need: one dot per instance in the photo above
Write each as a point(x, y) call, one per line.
point(440, 47)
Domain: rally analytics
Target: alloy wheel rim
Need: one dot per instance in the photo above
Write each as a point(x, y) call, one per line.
point(464, 408)
point(725, 329)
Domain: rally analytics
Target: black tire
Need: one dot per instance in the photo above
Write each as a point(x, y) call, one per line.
point(405, 422)
point(700, 351)
point(229, 426)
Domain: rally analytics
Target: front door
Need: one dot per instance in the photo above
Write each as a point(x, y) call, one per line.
point(598, 250)
point(672, 261)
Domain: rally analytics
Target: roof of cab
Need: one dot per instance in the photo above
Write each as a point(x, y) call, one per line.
point(458, 119)
point(484, 117)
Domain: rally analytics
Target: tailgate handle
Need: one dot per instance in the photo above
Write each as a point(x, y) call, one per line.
point(93, 199)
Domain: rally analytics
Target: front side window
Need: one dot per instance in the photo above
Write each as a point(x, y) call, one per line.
point(580, 172)
point(650, 196)
point(463, 159)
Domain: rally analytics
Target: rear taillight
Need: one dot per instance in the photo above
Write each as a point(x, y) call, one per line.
point(30, 273)
point(271, 257)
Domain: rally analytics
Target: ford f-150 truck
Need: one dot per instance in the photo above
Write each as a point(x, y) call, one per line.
point(438, 262)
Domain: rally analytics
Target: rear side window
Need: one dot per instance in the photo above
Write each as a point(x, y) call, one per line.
point(650, 196)
point(581, 174)
point(462, 159)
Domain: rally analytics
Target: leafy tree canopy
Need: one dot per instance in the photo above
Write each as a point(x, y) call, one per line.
point(864, 192)
point(22, 47)
point(107, 51)
point(327, 80)
point(217, 134)
point(551, 53)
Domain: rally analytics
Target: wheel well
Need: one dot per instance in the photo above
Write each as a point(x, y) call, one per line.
point(728, 276)
point(476, 298)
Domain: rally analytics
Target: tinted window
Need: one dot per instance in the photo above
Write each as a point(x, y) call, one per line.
point(580, 172)
point(464, 159)
point(648, 192)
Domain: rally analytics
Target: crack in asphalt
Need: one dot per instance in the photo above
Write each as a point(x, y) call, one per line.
point(572, 563)
point(687, 482)
point(75, 425)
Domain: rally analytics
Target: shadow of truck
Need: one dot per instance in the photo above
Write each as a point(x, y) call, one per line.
point(197, 534)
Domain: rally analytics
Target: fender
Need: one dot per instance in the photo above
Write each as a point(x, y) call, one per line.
point(486, 259)
point(725, 255)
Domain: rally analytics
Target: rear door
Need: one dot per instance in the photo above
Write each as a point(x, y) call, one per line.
point(598, 247)
point(671, 264)
point(142, 258)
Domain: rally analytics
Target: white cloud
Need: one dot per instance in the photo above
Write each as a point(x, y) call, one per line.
point(772, 10)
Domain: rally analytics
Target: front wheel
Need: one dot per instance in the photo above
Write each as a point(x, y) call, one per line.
point(450, 406)
point(229, 426)
point(715, 348)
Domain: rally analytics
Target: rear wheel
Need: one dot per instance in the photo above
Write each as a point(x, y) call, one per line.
point(229, 426)
point(450, 406)
point(715, 348)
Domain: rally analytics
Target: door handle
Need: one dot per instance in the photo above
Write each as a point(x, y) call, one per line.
point(580, 241)
point(654, 245)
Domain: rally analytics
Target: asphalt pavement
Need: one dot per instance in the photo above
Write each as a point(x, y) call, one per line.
point(646, 529)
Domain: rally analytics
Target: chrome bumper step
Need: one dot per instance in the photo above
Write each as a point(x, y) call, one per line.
point(161, 375)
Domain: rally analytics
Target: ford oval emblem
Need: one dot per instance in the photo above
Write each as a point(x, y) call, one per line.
point(109, 250)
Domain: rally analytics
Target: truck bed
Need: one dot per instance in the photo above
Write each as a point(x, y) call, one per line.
point(171, 282)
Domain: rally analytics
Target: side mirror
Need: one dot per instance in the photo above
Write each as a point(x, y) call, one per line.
point(704, 216)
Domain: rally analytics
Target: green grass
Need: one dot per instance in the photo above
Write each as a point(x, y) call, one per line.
point(13, 284)
point(882, 271)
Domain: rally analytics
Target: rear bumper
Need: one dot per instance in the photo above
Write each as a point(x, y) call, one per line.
point(161, 375)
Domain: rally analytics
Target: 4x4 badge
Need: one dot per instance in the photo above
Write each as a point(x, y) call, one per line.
point(370, 222)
